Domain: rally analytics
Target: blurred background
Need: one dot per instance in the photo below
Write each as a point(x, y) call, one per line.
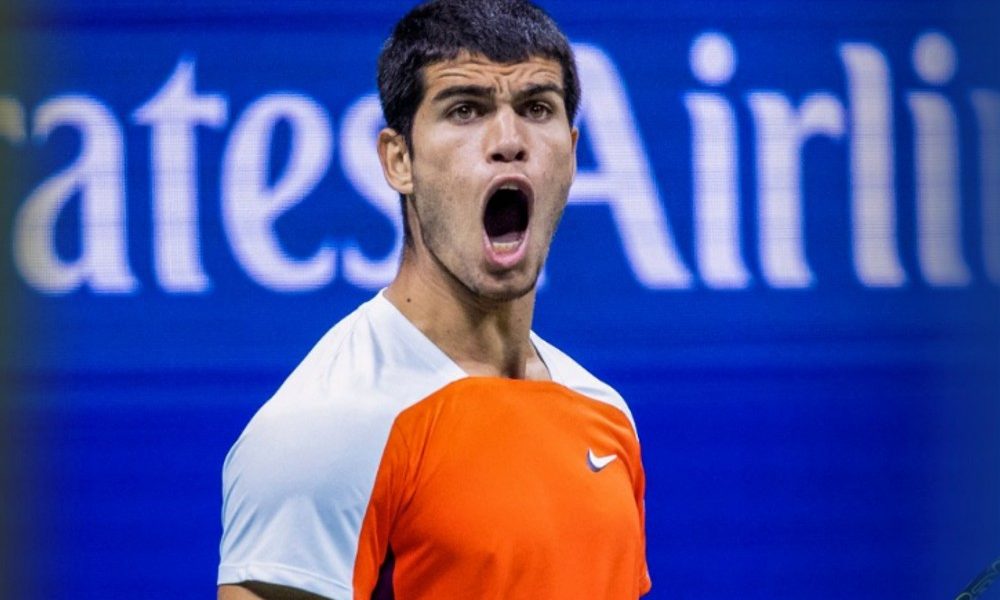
point(783, 248)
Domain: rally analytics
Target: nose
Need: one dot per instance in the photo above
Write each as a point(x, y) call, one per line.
point(506, 142)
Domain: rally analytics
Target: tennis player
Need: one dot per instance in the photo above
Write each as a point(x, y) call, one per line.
point(431, 445)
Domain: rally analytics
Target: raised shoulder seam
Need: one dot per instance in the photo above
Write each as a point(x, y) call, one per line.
point(568, 372)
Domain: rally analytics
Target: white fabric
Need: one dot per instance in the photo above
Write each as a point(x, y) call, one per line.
point(296, 483)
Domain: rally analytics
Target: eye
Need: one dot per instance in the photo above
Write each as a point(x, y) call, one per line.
point(538, 111)
point(463, 112)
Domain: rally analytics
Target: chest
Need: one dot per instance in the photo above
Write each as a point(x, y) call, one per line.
point(520, 479)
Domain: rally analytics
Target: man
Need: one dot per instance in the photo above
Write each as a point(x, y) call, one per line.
point(431, 445)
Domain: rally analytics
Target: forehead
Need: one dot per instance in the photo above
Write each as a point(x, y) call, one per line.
point(471, 69)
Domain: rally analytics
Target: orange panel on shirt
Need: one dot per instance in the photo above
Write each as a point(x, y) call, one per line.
point(485, 490)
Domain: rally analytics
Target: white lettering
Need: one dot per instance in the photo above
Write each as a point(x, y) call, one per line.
point(250, 205)
point(623, 179)
point(97, 176)
point(873, 192)
point(715, 158)
point(173, 113)
point(70, 232)
point(781, 133)
point(939, 239)
point(358, 159)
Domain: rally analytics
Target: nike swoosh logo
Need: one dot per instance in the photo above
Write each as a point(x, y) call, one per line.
point(597, 463)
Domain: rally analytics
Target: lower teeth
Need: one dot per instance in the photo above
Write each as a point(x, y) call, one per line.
point(504, 246)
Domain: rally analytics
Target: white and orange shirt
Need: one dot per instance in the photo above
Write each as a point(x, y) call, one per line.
point(379, 469)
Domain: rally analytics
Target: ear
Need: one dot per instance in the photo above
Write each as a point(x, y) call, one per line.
point(575, 134)
point(395, 158)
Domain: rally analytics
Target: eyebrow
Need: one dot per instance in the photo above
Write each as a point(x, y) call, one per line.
point(476, 91)
point(538, 89)
point(480, 91)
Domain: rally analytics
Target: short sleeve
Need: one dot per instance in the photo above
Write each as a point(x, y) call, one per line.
point(296, 486)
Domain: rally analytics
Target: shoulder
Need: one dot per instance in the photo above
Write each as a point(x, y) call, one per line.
point(322, 431)
point(570, 373)
point(298, 480)
point(337, 406)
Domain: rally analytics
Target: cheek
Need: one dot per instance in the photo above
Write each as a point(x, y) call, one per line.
point(561, 155)
point(445, 200)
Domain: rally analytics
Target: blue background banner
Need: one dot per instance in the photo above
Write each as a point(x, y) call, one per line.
point(782, 247)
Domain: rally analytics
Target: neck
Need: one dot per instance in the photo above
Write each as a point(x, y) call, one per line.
point(482, 336)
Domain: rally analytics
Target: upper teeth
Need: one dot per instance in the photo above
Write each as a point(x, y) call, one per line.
point(509, 186)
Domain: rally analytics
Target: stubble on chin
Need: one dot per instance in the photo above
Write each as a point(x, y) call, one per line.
point(507, 294)
point(482, 285)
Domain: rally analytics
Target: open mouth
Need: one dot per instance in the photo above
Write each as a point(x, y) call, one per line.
point(506, 218)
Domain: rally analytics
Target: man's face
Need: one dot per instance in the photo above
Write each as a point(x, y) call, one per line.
point(492, 162)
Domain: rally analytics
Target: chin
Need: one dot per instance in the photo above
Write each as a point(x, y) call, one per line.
point(507, 291)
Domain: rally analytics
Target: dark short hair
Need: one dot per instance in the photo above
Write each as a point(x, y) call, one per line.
point(504, 31)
